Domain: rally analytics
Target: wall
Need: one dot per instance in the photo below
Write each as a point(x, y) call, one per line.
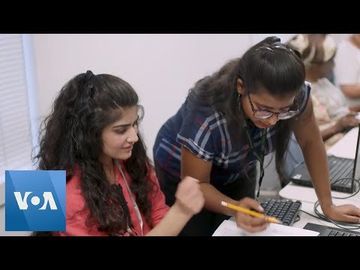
point(161, 67)
point(339, 37)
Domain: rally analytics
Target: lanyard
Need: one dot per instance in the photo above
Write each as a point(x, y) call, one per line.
point(259, 156)
point(136, 208)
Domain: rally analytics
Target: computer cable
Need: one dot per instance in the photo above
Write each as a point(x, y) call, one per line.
point(269, 162)
point(357, 187)
point(297, 218)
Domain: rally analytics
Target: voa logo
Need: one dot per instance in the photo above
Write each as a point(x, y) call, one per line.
point(48, 200)
point(35, 200)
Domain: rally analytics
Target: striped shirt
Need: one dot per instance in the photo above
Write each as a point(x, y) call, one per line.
point(206, 133)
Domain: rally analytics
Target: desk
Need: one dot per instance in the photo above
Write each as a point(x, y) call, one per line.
point(343, 148)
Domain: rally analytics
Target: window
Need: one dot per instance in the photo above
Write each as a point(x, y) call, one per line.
point(16, 138)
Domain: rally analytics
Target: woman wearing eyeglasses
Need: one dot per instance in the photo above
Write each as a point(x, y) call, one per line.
point(229, 122)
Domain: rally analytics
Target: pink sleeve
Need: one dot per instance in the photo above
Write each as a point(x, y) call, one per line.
point(76, 226)
point(159, 207)
point(76, 213)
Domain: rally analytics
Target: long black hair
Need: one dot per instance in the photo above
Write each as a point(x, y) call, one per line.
point(268, 64)
point(71, 137)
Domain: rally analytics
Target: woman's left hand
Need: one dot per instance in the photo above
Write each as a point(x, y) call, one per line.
point(346, 213)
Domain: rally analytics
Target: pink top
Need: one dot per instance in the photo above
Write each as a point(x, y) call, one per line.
point(77, 213)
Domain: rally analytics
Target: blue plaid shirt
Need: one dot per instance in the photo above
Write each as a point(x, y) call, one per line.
point(205, 133)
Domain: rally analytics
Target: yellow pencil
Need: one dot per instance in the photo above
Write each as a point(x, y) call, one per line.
point(250, 212)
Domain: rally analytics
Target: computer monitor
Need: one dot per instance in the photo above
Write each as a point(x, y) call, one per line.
point(356, 174)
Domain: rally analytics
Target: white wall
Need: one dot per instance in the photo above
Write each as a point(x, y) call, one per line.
point(339, 37)
point(161, 67)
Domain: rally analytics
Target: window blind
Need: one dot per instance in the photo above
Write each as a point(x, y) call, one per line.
point(15, 127)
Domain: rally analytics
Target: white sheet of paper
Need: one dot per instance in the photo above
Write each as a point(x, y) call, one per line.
point(229, 228)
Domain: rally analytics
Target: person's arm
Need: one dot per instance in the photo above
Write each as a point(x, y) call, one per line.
point(344, 123)
point(308, 136)
point(354, 108)
point(189, 201)
point(329, 132)
point(200, 169)
point(173, 222)
point(351, 91)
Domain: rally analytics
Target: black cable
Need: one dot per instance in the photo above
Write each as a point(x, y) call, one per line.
point(297, 218)
point(258, 156)
point(271, 159)
point(314, 216)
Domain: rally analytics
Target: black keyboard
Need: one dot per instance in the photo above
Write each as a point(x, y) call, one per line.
point(284, 210)
point(329, 231)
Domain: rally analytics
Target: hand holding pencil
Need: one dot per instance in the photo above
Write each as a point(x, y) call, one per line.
point(249, 220)
point(250, 212)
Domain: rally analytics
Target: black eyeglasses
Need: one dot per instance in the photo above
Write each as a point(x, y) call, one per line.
point(297, 107)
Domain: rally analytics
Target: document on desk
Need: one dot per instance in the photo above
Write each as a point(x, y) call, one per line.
point(229, 228)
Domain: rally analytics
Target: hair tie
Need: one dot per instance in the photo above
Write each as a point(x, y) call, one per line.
point(89, 85)
point(88, 75)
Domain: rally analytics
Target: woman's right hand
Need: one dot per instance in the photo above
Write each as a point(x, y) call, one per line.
point(247, 222)
point(346, 122)
point(189, 197)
